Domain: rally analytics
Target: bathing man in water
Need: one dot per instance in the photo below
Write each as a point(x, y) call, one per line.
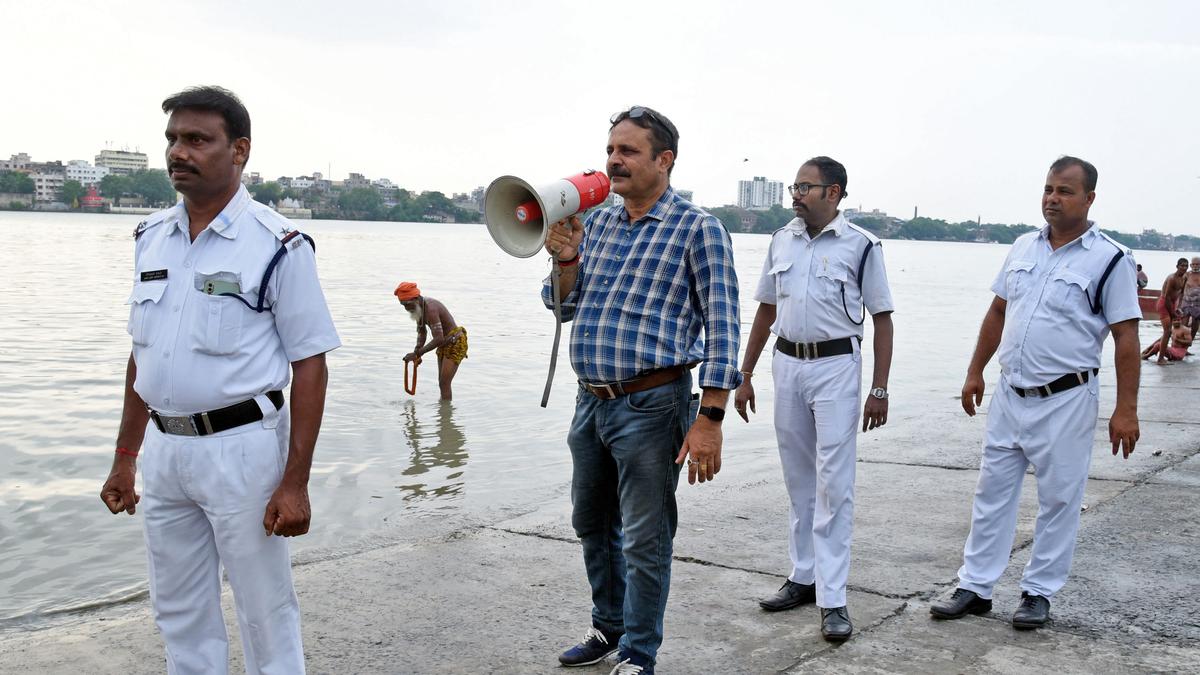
point(449, 339)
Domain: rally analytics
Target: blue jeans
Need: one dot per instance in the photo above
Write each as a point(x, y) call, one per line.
point(623, 493)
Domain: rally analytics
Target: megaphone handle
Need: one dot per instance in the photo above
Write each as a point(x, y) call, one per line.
point(555, 273)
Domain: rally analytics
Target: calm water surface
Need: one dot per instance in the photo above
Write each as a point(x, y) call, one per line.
point(388, 466)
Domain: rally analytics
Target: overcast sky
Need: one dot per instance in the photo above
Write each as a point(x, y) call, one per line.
point(955, 107)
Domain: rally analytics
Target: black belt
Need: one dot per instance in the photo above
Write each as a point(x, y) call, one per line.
point(815, 350)
point(1061, 384)
point(213, 421)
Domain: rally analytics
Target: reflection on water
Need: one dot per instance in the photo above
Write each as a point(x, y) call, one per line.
point(437, 446)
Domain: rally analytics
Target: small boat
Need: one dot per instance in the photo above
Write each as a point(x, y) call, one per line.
point(1147, 300)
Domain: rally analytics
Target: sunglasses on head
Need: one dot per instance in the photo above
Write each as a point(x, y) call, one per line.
point(637, 112)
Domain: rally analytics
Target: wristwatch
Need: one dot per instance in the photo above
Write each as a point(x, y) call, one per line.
point(880, 393)
point(712, 412)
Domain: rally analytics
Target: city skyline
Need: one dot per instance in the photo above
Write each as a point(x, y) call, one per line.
point(956, 108)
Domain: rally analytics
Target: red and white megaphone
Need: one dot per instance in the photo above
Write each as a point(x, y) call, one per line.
point(519, 215)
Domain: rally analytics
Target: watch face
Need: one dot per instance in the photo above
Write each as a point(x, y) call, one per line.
point(879, 392)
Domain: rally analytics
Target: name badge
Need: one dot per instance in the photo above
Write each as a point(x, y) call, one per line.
point(154, 275)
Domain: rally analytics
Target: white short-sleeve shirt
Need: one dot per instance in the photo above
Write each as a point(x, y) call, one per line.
point(814, 284)
point(1050, 329)
point(197, 350)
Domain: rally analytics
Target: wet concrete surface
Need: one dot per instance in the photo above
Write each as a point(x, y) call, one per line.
point(507, 596)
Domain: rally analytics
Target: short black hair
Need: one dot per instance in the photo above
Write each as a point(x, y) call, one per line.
point(831, 172)
point(1181, 261)
point(1089, 171)
point(214, 99)
point(663, 134)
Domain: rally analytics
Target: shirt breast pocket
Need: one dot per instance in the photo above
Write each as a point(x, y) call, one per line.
point(831, 280)
point(782, 279)
point(217, 329)
point(142, 300)
point(1067, 292)
point(1018, 278)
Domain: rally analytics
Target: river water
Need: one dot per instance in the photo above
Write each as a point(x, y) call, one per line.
point(388, 465)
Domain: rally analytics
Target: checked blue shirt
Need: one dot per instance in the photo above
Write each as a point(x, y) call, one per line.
point(645, 290)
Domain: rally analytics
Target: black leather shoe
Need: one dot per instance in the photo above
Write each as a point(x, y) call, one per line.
point(789, 595)
point(962, 603)
point(835, 624)
point(1034, 612)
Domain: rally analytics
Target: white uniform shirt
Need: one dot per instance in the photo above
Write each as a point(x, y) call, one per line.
point(197, 352)
point(805, 277)
point(1049, 327)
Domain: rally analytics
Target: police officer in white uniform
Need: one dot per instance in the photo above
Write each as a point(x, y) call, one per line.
point(225, 309)
point(1060, 292)
point(822, 276)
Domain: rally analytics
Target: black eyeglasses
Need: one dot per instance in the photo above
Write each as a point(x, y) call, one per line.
point(637, 112)
point(801, 189)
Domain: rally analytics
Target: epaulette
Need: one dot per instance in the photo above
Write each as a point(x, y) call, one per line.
point(153, 219)
point(864, 232)
point(280, 227)
point(1120, 247)
point(781, 229)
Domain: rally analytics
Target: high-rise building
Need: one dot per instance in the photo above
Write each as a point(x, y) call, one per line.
point(86, 174)
point(759, 194)
point(48, 186)
point(122, 162)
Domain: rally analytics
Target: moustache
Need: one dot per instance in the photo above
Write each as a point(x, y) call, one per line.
point(612, 173)
point(180, 166)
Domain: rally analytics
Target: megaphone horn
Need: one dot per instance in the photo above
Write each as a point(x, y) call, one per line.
point(519, 215)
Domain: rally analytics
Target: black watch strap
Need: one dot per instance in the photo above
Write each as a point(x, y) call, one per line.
point(712, 412)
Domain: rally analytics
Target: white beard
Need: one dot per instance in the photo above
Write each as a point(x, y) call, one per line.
point(416, 315)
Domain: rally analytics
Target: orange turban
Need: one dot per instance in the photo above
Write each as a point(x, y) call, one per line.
point(407, 290)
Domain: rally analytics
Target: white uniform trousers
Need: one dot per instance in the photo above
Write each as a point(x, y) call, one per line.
point(816, 419)
point(203, 500)
point(1054, 434)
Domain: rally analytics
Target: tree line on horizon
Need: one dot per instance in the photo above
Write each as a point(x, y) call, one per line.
point(935, 229)
point(364, 203)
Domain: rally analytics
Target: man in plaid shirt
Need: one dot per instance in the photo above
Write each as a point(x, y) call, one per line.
point(640, 283)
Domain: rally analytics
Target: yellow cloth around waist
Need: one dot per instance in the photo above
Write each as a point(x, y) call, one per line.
point(457, 350)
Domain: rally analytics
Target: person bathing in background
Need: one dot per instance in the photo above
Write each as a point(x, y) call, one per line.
point(1167, 311)
point(449, 339)
point(1189, 300)
point(1181, 339)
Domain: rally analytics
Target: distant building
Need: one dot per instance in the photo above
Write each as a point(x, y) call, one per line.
point(47, 187)
point(18, 162)
point(83, 172)
point(759, 194)
point(851, 214)
point(122, 162)
point(388, 190)
point(356, 180)
point(251, 178)
point(301, 183)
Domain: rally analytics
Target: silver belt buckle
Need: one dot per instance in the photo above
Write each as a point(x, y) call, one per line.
point(179, 426)
point(1033, 392)
point(810, 350)
point(606, 388)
